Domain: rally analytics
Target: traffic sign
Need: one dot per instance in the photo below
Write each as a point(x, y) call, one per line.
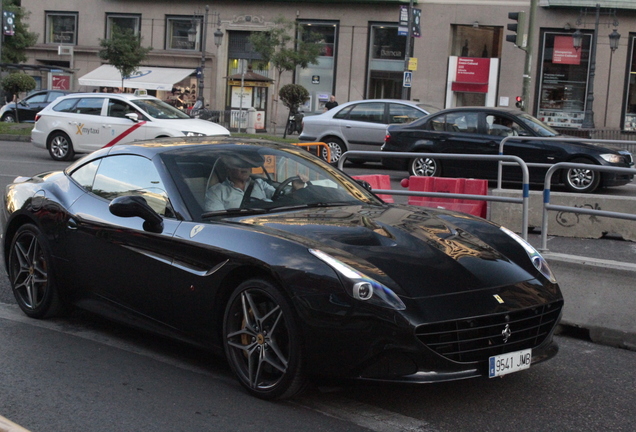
point(408, 77)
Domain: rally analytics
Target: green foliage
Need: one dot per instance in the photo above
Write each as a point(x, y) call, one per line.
point(17, 82)
point(13, 47)
point(293, 95)
point(123, 50)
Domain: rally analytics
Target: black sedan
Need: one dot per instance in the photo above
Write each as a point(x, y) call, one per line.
point(480, 130)
point(28, 107)
point(309, 275)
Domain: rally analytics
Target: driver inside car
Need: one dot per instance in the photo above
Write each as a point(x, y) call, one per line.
point(239, 187)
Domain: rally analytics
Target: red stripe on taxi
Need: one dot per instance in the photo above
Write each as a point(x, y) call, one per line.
point(125, 133)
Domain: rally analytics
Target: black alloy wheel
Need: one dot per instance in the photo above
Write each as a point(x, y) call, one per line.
point(8, 118)
point(60, 147)
point(336, 147)
point(262, 341)
point(425, 167)
point(581, 180)
point(31, 275)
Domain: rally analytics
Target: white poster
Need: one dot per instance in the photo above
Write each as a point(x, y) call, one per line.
point(246, 96)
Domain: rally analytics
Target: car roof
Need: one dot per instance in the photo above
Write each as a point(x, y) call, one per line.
point(507, 110)
point(123, 96)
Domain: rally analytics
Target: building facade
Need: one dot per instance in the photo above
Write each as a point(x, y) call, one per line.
point(462, 57)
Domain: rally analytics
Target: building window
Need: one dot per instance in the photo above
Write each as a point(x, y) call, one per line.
point(61, 28)
point(177, 29)
point(630, 102)
point(318, 78)
point(480, 41)
point(563, 80)
point(122, 21)
point(386, 62)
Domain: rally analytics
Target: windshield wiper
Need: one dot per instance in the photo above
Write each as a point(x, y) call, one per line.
point(232, 211)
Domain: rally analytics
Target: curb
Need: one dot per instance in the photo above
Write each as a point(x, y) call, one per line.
point(9, 137)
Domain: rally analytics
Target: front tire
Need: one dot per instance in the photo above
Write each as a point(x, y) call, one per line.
point(337, 148)
point(425, 167)
point(31, 274)
point(8, 118)
point(581, 180)
point(262, 341)
point(60, 147)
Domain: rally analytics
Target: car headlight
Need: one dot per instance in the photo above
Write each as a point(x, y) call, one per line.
point(612, 158)
point(535, 257)
point(362, 287)
point(190, 133)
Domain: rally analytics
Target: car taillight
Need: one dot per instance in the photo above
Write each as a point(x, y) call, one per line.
point(37, 117)
point(387, 137)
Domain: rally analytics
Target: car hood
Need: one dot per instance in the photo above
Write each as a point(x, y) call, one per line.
point(193, 125)
point(415, 252)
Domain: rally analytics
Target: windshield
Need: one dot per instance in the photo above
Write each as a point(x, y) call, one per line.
point(158, 109)
point(243, 179)
point(537, 126)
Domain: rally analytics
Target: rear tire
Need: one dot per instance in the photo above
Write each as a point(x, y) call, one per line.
point(60, 147)
point(337, 148)
point(262, 341)
point(425, 167)
point(31, 274)
point(580, 180)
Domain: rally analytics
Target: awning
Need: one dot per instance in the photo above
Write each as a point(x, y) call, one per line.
point(149, 78)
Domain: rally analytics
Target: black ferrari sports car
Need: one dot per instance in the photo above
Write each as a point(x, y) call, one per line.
point(290, 267)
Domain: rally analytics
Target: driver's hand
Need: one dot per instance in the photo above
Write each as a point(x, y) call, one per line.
point(300, 182)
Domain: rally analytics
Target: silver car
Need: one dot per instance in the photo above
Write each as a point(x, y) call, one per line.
point(359, 125)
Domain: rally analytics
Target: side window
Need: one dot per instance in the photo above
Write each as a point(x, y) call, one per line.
point(503, 126)
point(466, 122)
point(53, 95)
point(85, 175)
point(343, 114)
point(438, 123)
point(90, 106)
point(67, 105)
point(131, 175)
point(399, 113)
point(117, 108)
point(368, 112)
point(37, 98)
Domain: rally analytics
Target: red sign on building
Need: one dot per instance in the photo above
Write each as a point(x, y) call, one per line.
point(60, 82)
point(564, 52)
point(472, 75)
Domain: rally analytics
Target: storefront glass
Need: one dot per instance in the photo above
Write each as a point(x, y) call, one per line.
point(563, 80)
point(61, 28)
point(386, 62)
point(629, 123)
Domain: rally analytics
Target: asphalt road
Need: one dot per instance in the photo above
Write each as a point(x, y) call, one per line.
point(82, 373)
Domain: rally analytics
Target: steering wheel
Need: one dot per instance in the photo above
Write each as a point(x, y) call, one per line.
point(280, 188)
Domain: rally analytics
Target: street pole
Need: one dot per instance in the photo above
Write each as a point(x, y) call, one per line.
point(407, 54)
point(527, 75)
point(204, 36)
point(588, 121)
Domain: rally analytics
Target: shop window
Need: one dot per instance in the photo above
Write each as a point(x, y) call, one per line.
point(177, 29)
point(479, 41)
point(122, 21)
point(629, 123)
point(563, 80)
point(61, 28)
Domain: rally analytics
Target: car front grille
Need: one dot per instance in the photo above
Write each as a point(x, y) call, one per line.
point(628, 157)
point(476, 339)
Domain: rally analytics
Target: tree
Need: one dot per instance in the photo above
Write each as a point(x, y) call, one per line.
point(15, 83)
point(13, 47)
point(293, 95)
point(124, 51)
point(285, 51)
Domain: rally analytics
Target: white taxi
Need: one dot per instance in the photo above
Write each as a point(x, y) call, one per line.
point(84, 122)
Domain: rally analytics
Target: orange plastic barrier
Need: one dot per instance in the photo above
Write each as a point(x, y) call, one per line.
point(378, 181)
point(449, 185)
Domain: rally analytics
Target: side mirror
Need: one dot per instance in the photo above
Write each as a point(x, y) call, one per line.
point(136, 206)
point(365, 184)
point(133, 116)
point(23, 103)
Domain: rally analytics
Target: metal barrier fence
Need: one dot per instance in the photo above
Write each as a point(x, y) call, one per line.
point(546, 197)
point(625, 143)
point(525, 188)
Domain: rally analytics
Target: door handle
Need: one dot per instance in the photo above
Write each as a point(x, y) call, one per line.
point(72, 224)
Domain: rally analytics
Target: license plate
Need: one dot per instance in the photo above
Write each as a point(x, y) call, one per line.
point(508, 363)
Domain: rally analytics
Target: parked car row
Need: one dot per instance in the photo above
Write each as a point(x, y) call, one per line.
point(26, 109)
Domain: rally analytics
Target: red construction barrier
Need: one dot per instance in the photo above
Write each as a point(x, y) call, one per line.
point(449, 185)
point(378, 181)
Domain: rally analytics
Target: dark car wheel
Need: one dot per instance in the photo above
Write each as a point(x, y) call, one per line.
point(60, 147)
point(8, 118)
point(262, 341)
point(31, 275)
point(337, 148)
point(425, 167)
point(580, 179)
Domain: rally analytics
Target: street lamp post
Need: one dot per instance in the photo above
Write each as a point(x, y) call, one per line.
point(218, 38)
point(614, 37)
point(577, 40)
